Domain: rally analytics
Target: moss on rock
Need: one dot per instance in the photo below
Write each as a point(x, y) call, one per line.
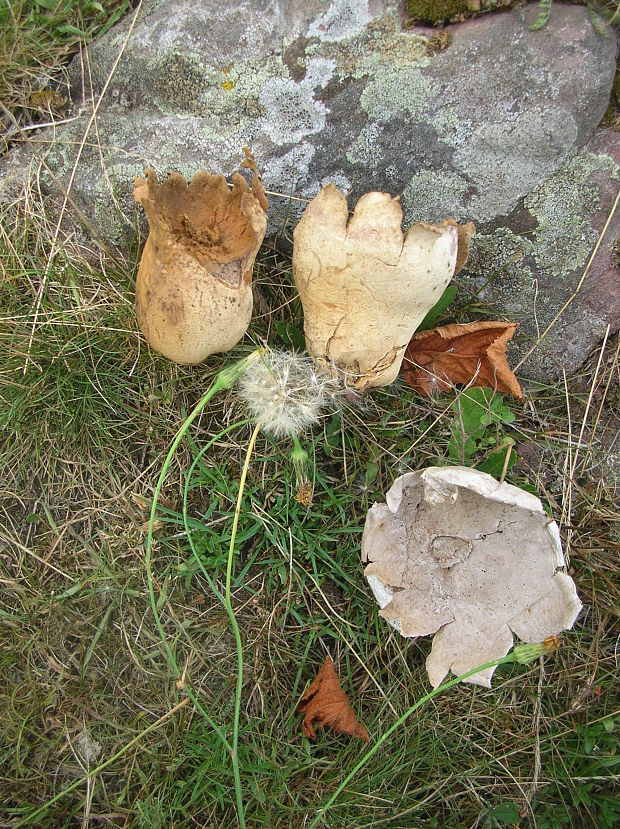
point(443, 11)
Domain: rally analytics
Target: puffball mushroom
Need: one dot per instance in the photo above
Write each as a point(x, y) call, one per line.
point(455, 553)
point(365, 287)
point(194, 285)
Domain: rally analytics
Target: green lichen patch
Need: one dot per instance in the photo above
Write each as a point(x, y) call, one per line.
point(382, 44)
point(288, 173)
point(431, 195)
point(113, 203)
point(398, 89)
point(563, 206)
point(227, 95)
point(500, 276)
point(343, 20)
point(365, 149)
point(291, 111)
point(179, 80)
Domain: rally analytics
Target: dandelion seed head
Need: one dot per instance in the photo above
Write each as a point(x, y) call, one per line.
point(285, 393)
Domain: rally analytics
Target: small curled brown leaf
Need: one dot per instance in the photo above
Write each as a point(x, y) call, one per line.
point(325, 703)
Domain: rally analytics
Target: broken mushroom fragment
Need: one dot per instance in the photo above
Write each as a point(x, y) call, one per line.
point(194, 285)
point(455, 553)
point(364, 286)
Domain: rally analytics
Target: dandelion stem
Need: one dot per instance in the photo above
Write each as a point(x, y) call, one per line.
point(235, 627)
point(224, 380)
point(188, 531)
point(211, 392)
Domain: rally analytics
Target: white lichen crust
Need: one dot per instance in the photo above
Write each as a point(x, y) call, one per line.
point(455, 553)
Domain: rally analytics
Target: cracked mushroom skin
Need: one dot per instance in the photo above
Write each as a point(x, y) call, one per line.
point(454, 553)
point(194, 284)
point(365, 287)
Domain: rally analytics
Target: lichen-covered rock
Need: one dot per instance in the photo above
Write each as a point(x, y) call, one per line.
point(341, 92)
point(530, 265)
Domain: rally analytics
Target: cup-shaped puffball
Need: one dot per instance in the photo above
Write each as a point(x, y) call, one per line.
point(364, 286)
point(194, 285)
point(454, 553)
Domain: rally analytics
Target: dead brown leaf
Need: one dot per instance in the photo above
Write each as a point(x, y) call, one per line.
point(327, 704)
point(473, 354)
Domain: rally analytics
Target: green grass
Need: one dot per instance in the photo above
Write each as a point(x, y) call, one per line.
point(36, 39)
point(86, 428)
point(87, 416)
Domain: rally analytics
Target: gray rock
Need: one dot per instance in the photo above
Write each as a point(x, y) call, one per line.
point(529, 266)
point(494, 128)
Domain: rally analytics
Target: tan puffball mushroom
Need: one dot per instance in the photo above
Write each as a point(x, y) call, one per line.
point(364, 286)
point(194, 285)
point(455, 553)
